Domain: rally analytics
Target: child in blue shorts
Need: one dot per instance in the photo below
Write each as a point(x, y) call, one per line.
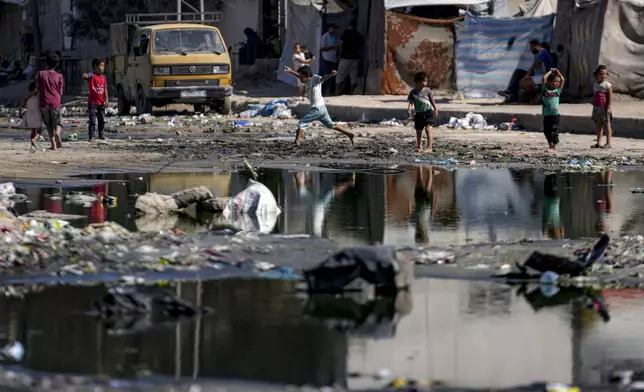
point(313, 90)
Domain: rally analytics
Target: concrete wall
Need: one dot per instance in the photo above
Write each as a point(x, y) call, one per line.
point(469, 335)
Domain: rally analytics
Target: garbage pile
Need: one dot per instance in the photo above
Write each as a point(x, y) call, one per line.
point(276, 109)
point(559, 279)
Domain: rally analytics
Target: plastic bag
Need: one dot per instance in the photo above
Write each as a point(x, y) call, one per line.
point(253, 209)
point(7, 189)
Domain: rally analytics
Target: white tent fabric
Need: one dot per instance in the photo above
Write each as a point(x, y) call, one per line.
point(536, 8)
point(304, 26)
point(389, 4)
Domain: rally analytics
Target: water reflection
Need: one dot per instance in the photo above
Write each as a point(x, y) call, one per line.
point(413, 205)
point(465, 334)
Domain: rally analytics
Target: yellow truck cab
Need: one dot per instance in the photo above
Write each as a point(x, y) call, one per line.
point(162, 62)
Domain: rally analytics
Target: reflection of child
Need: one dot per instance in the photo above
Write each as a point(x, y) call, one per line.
point(603, 195)
point(551, 224)
point(97, 209)
point(424, 203)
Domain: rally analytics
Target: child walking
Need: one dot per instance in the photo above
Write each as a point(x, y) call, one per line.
point(602, 107)
point(32, 118)
point(553, 82)
point(97, 99)
point(49, 84)
point(421, 100)
point(313, 88)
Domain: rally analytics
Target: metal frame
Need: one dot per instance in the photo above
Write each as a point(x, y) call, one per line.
point(208, 18)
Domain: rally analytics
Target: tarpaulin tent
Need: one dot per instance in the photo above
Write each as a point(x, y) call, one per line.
point(304, 26)
point(488, 50)
point(595, 32)
point(389, 4)
point(416, 44)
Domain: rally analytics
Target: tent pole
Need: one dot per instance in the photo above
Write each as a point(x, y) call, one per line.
point(366, 60)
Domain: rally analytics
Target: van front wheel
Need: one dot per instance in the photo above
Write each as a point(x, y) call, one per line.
point(224, 106)
point(123, 103)
point(143, 105)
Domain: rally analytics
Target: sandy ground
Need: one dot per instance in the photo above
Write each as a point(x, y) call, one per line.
point(148, 149)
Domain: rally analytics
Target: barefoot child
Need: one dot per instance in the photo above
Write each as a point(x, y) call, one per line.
point(32, 118)
point(49, 84)
point(421, 99)
point(97, 99)
point(552, 84)
point(313, 88)
point(602, 107)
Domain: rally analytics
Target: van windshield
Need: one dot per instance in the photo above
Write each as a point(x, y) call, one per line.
point(184, 41)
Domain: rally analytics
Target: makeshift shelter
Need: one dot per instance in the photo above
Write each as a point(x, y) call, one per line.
point(488, 50)
point(595, 32)
point(307, 20)
point(417, 44)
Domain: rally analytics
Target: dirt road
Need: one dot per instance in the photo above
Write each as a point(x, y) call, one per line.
point(149, 148)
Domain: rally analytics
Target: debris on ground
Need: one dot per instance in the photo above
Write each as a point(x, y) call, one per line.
point(156, 204)
point(547, 268)
point(277, 109)
point(470, 121)
point(380, 267)
point(253, 209)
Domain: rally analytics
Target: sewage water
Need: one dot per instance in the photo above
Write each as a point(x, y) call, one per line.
point(403, 206)
point(461, 333)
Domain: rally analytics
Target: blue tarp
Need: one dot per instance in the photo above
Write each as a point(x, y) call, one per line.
point(488, 50)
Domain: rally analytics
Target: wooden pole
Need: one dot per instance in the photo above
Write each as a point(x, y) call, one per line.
point(35, 21)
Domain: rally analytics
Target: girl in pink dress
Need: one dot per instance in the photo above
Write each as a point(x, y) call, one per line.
point(602, 110)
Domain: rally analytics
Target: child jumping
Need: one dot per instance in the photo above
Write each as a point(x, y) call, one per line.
point(602, 107)
point(552, 83)
point(32, 118)
point(421, 100)
point(313, 88)
point(97, 99)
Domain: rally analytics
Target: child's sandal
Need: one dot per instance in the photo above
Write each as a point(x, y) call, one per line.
point(595, 146)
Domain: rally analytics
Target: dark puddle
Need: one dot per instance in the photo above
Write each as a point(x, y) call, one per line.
point(462, 334)
point(402, 206)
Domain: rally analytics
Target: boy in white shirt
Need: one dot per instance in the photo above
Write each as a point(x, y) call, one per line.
point(313, 88)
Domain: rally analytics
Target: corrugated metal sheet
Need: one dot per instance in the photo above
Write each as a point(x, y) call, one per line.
point(489, 50)
point(417, 44)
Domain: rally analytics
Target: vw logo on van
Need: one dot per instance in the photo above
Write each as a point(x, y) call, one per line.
point(193, 69)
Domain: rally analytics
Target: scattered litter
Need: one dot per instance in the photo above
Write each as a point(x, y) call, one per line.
point(391, 123)
point(274, 109)
point(580, 162)
point(448, 161)
point(470, 121)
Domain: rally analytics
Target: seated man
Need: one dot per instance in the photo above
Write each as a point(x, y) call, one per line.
point(526, 81)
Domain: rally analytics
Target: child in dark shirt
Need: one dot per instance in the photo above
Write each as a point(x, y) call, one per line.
point(421, 100)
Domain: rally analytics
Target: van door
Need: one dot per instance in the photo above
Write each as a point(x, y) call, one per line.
point(132, 66)
point(142, 64)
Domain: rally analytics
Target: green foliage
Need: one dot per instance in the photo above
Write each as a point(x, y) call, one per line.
point(93, 18)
